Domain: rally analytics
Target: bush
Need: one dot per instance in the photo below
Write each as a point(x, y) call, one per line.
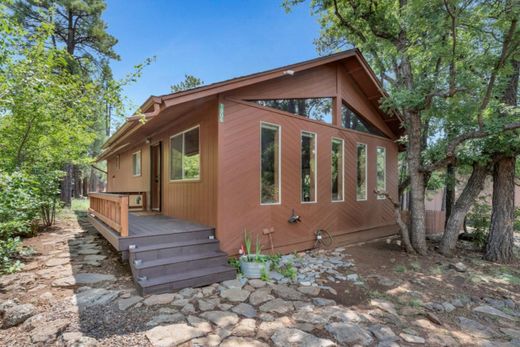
point(479, 218)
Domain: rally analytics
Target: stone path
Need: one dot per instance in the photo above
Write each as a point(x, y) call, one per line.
point(75, 292)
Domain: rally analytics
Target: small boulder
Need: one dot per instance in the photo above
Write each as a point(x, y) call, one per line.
point(17, 314)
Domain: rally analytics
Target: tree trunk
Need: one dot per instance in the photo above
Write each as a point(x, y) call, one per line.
point(66, 186)
point(499, 247)
point(450, 190)
point(85, 186)
point(417, 186)
point(77, 181)
point(461, 207)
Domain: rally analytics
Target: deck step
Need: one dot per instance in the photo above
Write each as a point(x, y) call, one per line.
point(177, 264)
point(168, 250)
point(193, 278)
point(178, 236)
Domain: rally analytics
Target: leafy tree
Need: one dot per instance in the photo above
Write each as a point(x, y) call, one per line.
point(189, 82)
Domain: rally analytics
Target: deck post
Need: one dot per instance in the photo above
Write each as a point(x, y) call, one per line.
point(124, 216)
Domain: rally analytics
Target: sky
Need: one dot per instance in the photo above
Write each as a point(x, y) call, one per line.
point(213, 40)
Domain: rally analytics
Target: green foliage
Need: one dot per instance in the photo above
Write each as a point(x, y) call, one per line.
point(9, 249)
point(516, 225)
point(479, 218)
point(235, 262)
point(264, 274)
point(189, 82)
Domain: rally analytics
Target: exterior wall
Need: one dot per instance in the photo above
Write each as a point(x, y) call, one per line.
point(121, 179)
point(239, 171)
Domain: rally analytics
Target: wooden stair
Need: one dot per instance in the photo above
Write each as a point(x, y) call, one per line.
point(178, 260)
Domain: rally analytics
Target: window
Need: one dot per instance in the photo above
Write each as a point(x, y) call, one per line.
point(351, 120)
point(337, 169)
point(361, 182)
point(316, 108)
point(308, 178)
point(381, 171)
point(185, 155)
point(136, 163)
point(270, 164)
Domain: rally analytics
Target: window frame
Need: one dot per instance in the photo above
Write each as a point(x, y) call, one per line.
point(257, 101)
point(139, 174)
point(379, 196)
point(342, 171)
point(315, 167)
point(279, 127)
point(182, 161)
point(366, 170)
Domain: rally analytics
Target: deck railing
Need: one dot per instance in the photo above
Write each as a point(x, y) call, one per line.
point(111, 209)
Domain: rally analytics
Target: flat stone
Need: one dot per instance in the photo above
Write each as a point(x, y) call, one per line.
point(310, 317)
point(255, 283)
point(172, 335)
point(14, 315)
point(56, 262)
point(89, 251)
point(448, 307)
point(82, 278)
point(512, 333)
point(94, 296)
point(200, 323)
point(125, 304)
point(207, 305)
point(260, 296)
point(47, 333)
point(412, 338)
point(188, 309)
point(489, 310)
point(294, 337)
point(242, 342)
point(245, 328)
point(460, 267)
point(474, 328)
point(347, 333)
point(277, 305)
point(233, 284)
point(235, 294)
point(77, 339)
point(159, 299)
point(7, 304)
point(245, 310)
point(287, 293)
point(211, 340)
point(384, 305)
point(221, 318)
point(309, 290)
point(383, 333)
point(323, 302)
point(166, 318)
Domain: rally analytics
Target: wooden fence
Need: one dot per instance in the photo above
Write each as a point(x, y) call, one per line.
point(111, 209)
point(434, 220)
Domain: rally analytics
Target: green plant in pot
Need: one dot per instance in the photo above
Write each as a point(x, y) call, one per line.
point(253, 265)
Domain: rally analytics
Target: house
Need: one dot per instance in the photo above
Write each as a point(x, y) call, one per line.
point(203, 165)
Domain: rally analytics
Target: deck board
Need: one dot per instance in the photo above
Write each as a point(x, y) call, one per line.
point(156, 224)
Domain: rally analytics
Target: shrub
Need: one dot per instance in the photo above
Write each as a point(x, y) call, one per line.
point(479, 218)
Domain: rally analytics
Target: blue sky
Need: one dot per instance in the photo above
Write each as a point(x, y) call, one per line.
point(213, 40)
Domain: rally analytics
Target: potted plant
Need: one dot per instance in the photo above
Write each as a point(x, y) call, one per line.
point(253, 265)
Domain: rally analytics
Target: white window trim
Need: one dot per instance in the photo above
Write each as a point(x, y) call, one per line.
point(381, 197)
point(315, 166)
point(279, 202)
point(140, 164)
point(170, 158)
point(366, 171)
point(342, 171)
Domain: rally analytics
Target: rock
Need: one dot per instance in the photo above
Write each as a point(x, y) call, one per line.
point(233, 284)
point(275, 276)
point(492, 312)
point(412, 338)
point(460, 267)
point(89, 251)
point(260, 296)
point(442, 340)
point(212, 340)
point(221, 318)
point(56, 262)
point(384, 305)
point(172, 335)
point(245, 328)
point(323, 302)
point(82, 278)
point(448, 307)
point(512, 333)
point(245, 310)
point(267, 328)
point(207, 305)
point(200, 323)
point(17, 314)
point(312, 291)
point(166, 318)
point(474, 328)
point(187, 292)
point(47, 333)
point(180, 302)
point(287, 293)
point(94, 296)
point(47, 297)
point(433, 318)
point(383, 333)
point(235, 294)
point(277, 305)
point(7, 304)
point(125, 304)
point(159, 299)
point(242, 342)
point(353, 277)
point(347, 333)
point(257, 283)
point(297, 338)
point(188, 309)
point(310, 317)
point(77, 339)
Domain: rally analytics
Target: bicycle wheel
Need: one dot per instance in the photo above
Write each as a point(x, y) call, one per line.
point(326, 238)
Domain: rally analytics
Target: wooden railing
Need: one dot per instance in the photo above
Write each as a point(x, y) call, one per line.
point(111, 209)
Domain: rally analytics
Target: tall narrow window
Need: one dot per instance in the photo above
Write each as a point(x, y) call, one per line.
point(308, 178)
point(270, 164)
point(337, 169)
point(136, 163)
point(361, 188)
point(185, 155)
point(381, 171)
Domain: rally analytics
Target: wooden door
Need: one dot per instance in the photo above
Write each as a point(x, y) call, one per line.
point(155, 176)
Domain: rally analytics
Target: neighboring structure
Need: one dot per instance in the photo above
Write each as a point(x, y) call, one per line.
point(246, 154)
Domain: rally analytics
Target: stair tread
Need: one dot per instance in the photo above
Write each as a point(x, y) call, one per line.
point(172, 245)
point(178, 259)
point(185, 275)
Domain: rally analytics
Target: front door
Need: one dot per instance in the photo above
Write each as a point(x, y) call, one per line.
point(155, 176)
